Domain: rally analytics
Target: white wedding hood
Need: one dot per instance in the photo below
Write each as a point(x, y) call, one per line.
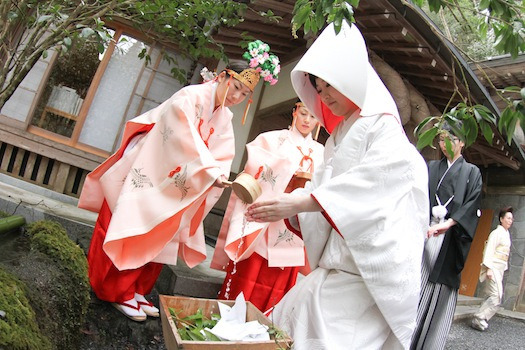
point(342, 61)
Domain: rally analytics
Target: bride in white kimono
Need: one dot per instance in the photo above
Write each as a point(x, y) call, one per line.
point(365, 214)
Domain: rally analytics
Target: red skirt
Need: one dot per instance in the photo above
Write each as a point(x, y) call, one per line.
point(109, 283)
point(263, 286)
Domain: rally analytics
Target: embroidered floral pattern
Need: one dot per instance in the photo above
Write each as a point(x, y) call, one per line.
point(138, 180)
point(282, 139)
point(285, 236)
point(267, 176)
point(199, 109)
point(166, 133)
point(179, 180)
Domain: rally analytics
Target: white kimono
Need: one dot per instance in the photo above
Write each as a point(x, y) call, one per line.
point(495, 257)
point(368, 240)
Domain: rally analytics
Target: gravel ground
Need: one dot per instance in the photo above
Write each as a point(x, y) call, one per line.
point(503, 333)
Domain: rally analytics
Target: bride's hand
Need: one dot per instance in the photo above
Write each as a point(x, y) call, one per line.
point(281, 207)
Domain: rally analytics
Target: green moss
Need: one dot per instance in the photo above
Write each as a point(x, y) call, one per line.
point(72, 288)
point(18, 329)
point(48, 227)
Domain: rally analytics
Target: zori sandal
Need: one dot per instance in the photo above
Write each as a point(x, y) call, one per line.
point(146, 306)
point(132, 312)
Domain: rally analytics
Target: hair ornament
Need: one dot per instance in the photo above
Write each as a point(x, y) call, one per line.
point(263, 61)
point(207, 75)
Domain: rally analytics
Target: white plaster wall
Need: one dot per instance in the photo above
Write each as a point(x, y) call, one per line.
point(280, 92)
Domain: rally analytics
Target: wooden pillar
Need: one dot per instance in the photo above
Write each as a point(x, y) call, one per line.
point(470, 274)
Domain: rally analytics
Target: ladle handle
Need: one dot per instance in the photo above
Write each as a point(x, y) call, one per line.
point(227, 183)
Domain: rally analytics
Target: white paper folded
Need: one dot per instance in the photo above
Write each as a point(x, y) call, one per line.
point(233, 325)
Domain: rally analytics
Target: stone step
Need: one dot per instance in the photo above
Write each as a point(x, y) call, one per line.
point(181, 280)
point(198, 282)
point(465, 311)
point(468, 300)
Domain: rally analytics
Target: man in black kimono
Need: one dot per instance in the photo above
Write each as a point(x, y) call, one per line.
point(455, 196)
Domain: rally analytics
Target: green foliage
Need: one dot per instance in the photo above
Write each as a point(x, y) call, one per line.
point(18, 329)
point(508, 22)
point(193, 327)
point(475, 118)
point(466, 27)
point(312, 15)
point(188, 24)
point(501, 19)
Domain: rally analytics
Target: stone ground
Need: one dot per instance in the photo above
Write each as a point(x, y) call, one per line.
point(108, 329)
point(503, 333)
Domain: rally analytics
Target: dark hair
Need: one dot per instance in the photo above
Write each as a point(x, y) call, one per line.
point(295, 104)
point(504, 211)
point(447, 127)
point(237, 66)
point(312, 78)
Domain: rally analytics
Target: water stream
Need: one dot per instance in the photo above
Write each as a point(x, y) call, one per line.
point(234, 270)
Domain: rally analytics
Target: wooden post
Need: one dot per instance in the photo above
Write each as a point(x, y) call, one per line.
point(470, 273)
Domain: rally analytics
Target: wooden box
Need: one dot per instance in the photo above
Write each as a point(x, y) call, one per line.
point(189, 306)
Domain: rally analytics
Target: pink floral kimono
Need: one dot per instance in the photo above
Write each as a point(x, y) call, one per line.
point(268, 256)
point(154, 192)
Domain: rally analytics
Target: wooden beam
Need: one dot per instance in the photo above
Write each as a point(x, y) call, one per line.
point(424, 74)
point(375, 16)
point(253, 18)
point(442, 91)
point(234, 48)
point(489, 152)
point(397, 47)
point(436, 84)
point(293, 55)
point(233, 33)
point(274, 5)
point(512, 190)
point(390, 30)
point(261, 28)
point(48, 148)
point(420, 61)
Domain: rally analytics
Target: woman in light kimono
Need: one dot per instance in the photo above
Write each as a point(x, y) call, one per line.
point(493, 266)
point(264, 260)
point(364, 217)
point(154, 192)
point(455, 197)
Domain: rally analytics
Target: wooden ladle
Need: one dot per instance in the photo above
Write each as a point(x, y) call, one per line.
point(245, 187)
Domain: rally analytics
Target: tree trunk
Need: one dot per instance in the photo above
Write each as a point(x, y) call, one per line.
point(395, 84)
